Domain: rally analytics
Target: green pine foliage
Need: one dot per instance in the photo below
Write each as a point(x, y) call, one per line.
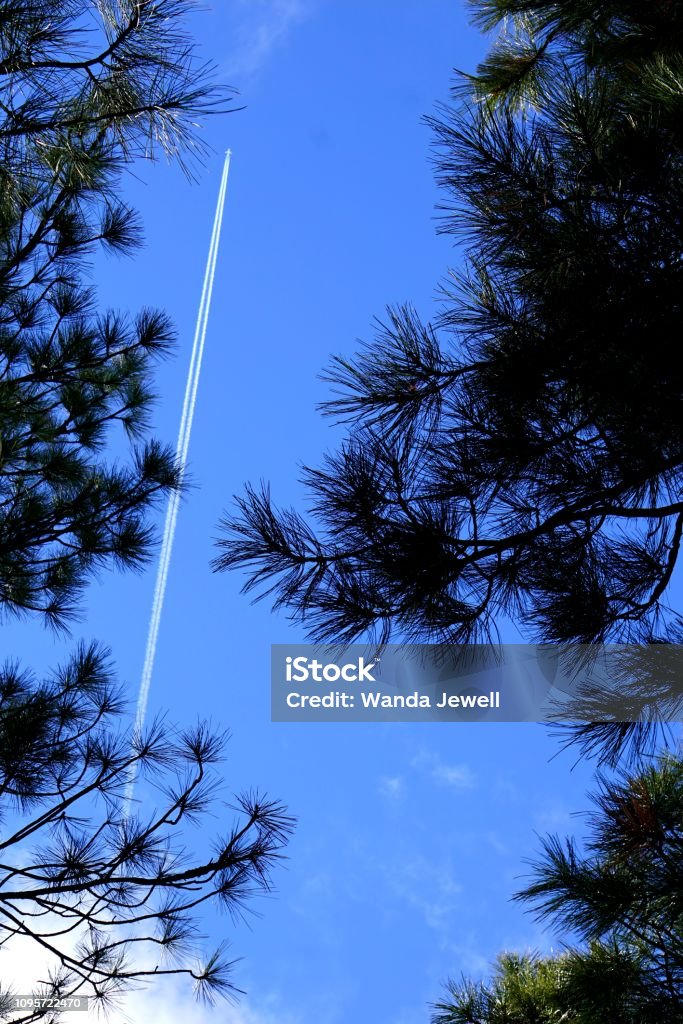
point(98, 895)
point(522, 990)
point(620, 897)
point(522, 455)
point(103, 899)
point(85, 88)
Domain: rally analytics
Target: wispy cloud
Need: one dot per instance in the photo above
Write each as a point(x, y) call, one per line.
point(261, 27)
point(427, 764)
point(390, 787)
point(26, 966)
point(432, 889)
point(460, 776)
point(456, 776)
point(496, 843)
point(555, 818)
point(467, 957)
point(163, 1005)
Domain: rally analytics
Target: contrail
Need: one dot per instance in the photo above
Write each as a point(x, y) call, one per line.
point(182, 449)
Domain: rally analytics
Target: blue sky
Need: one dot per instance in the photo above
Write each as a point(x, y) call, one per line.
point(411, 839)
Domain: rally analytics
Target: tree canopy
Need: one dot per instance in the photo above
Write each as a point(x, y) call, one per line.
point(96, 894)
point(105, 898)
point(620, 898)
point(520, 456)
point(85, 88)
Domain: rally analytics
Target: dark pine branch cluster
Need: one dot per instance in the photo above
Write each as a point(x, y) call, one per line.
point(127, 72)
point(619, 901)
point(98, 897)
point(84, 89)
point(104, 898)
point(522, 456)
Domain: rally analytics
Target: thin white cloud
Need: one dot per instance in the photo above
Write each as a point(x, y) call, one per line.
point(390, 787)
point(555, 818)
point(459, 776)
point(497, 844)
point(431, 889)
point(456, 776)
point(165, 1000)
point(262, 26)
point(170, 1004)
point(467, 957)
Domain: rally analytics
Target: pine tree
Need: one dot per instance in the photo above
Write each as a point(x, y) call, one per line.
point(96, 897)
point(621, 897)
point(99, 899)
point(85, 88)
point(522, 455)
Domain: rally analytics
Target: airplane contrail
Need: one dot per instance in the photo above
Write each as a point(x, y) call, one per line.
point(182, 449)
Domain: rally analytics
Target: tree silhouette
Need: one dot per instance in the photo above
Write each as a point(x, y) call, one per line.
point(621, 898)
point(520, 457)
point(85, 88)
point(96, 898)
point(105, 898)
